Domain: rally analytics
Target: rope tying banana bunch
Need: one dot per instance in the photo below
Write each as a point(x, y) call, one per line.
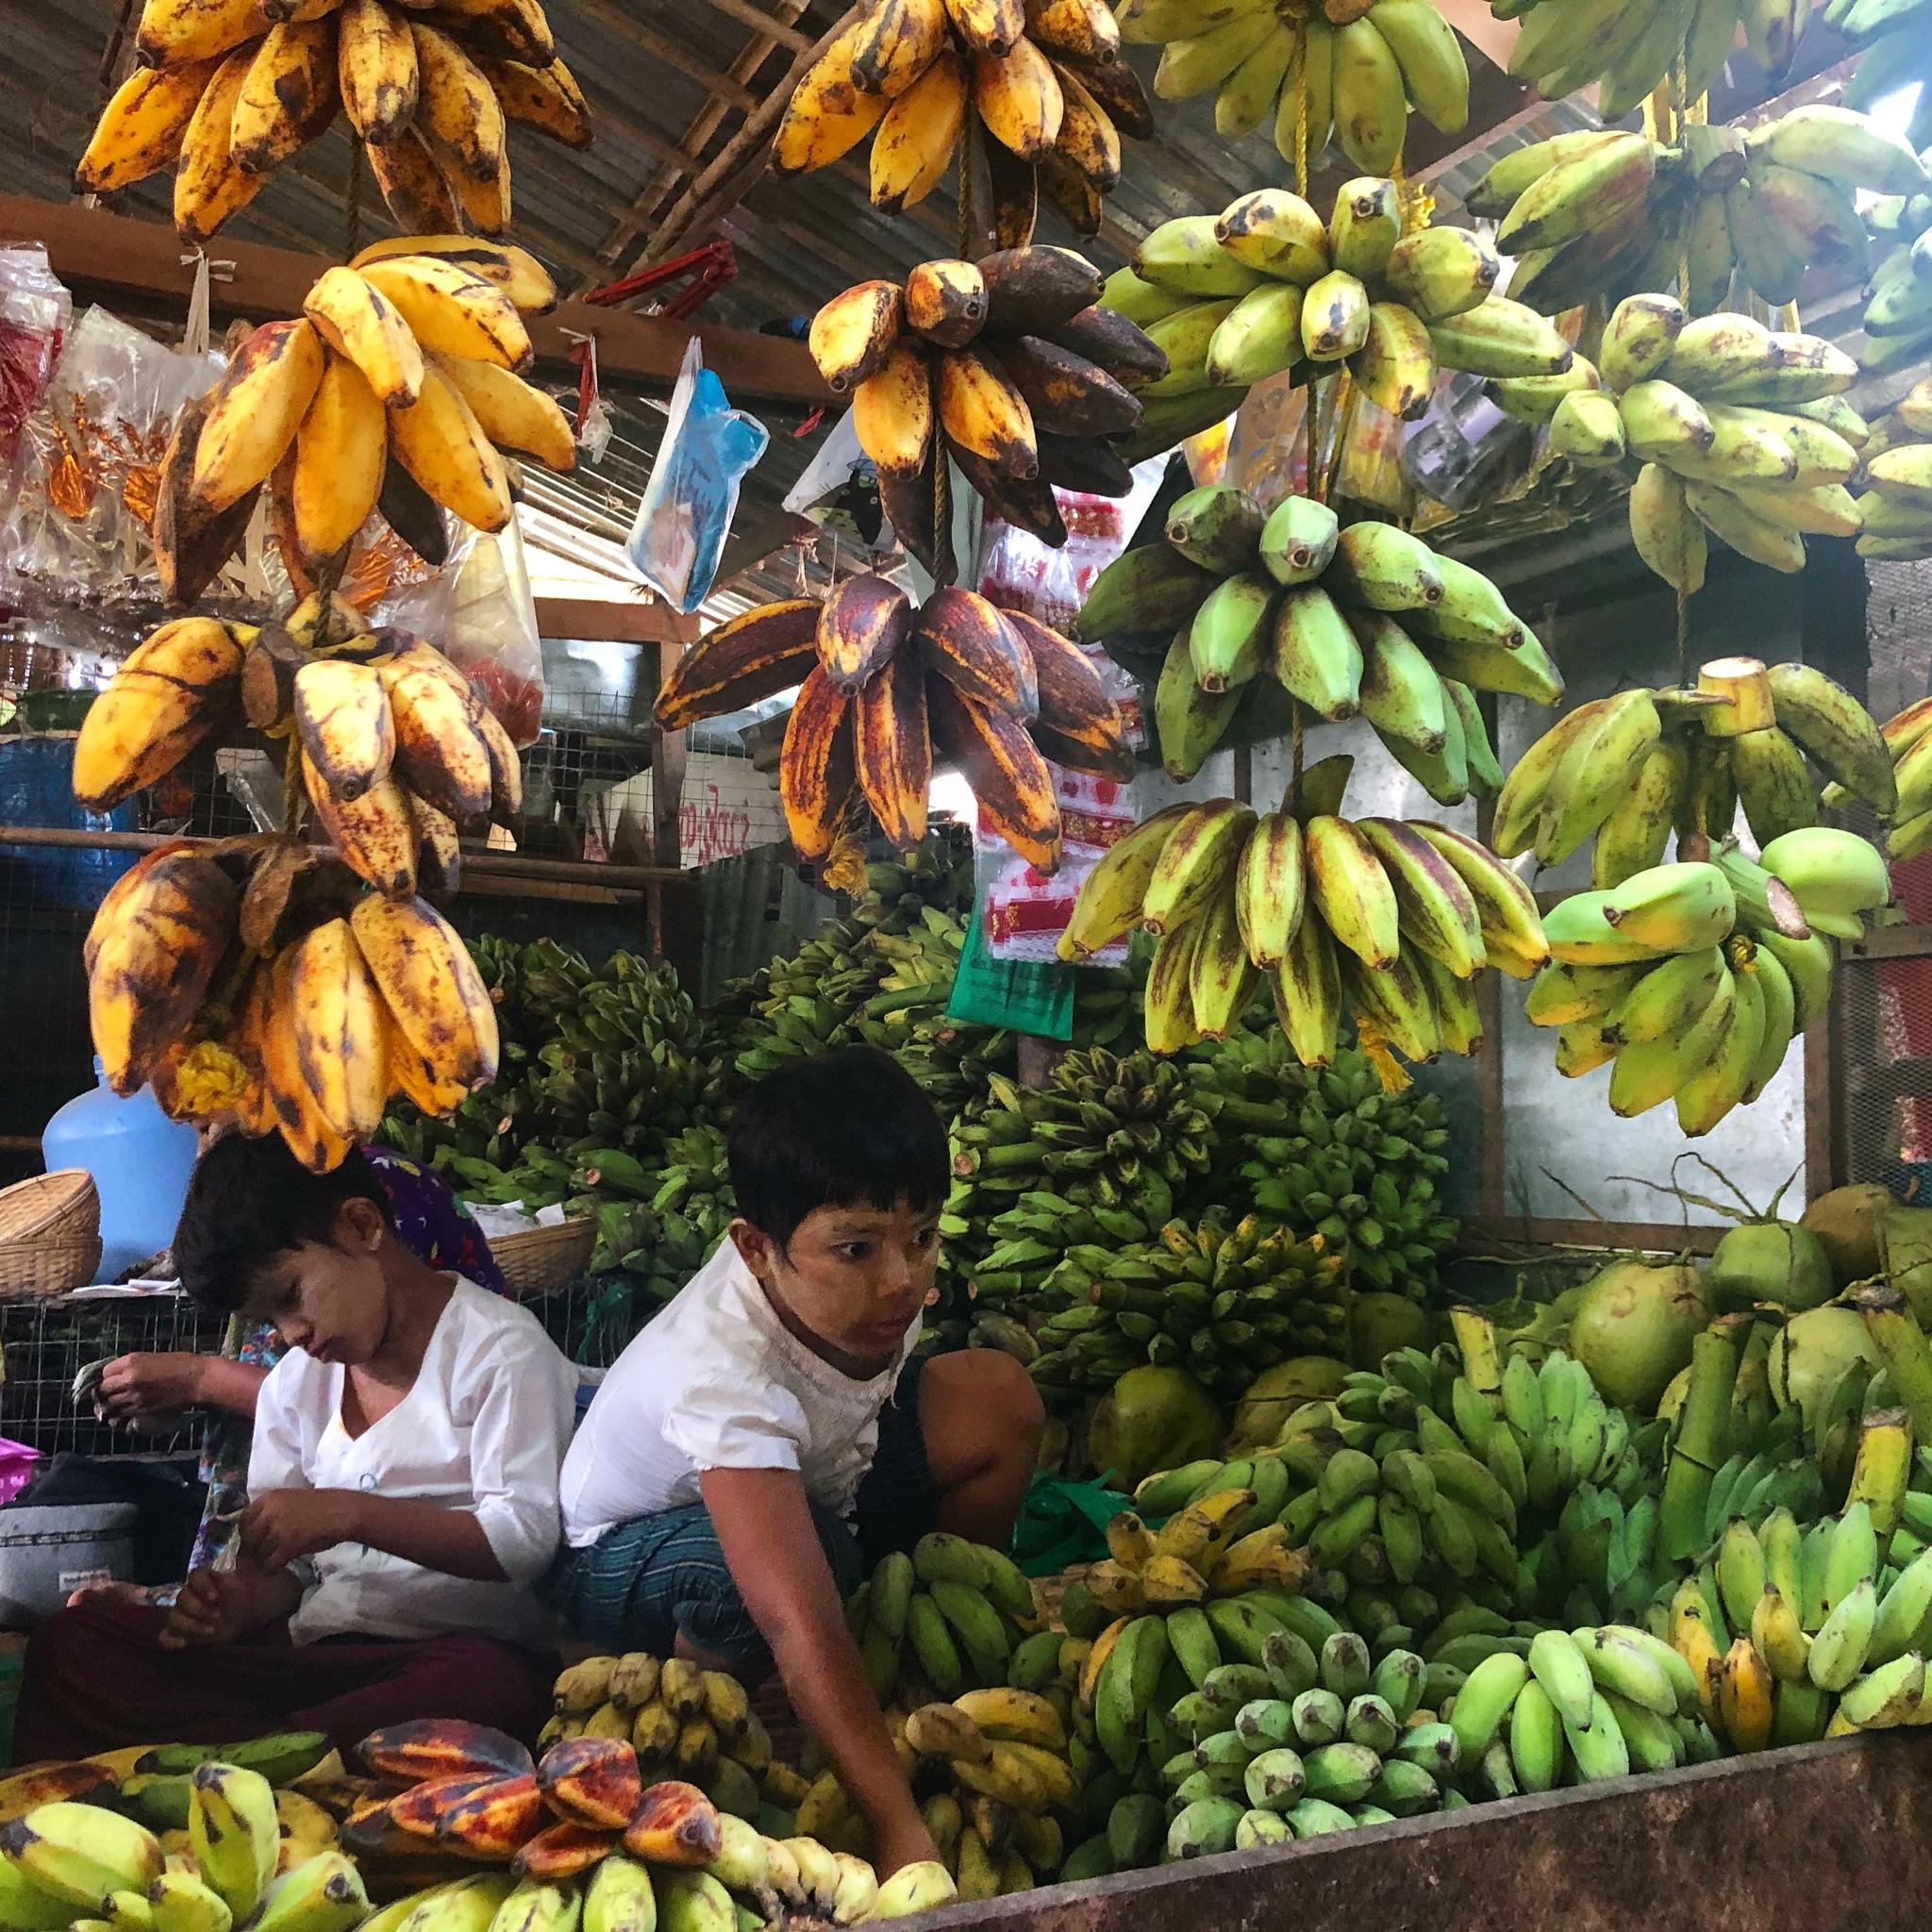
point(883, 685)
point(1356, 68)
point(1265, 284)
point(1395, 917)
point(1742, 431)
point(230, 90)
point(1007, 366)
point(1364, 619)
point(1607, 213)
point(1032, 94)
point(394, 394)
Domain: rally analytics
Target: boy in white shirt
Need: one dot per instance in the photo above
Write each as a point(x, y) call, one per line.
point(404, 1477)
point(764, 1441)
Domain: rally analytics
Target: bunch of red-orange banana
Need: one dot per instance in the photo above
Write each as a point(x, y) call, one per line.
point(883, 684)
point(1032, 94)
point(396, 391)
point(578, 1836)
point(228, 90)
point(1391, 917)
point(1006, 364)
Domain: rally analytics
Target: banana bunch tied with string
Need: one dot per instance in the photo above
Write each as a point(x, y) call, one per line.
point(1270, 611)
point(1005, 366)
point(1607, 214)
point(1268, 286)
point(1344, 68)
point(883, 685)
point(1388, 918)
point(1031, 95)
point(226, 91)
point(394, 396)
point(1741, 433)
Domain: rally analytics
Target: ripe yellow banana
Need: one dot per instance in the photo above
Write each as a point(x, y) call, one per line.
point(545, 98)
point(341, 451)
point(337, 1015)
point(432, 989)
point(311, 1139)
point(354, 317)
point(828, 113)
point(892, 411)
point(915, 141)
point(373, 833)
point(439, 752)
point(451, 309)
point(209, 187)
point(256, 410)
point(439, 441)
point(375, 67)
point(456, 103)
point(175, 32)
point(168, 695)
point(514, 270)
point(901, 41)
point(342, 713)
point(143, 126)
point(985, 414)
point(290, 96)
point(1019, 99)
point(511, 412)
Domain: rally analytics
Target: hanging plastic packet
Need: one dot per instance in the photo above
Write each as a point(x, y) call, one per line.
point(692, 495)
point(36, 311)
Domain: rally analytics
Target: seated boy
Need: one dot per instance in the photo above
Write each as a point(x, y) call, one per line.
point(403, 1483)
point(757, 1447)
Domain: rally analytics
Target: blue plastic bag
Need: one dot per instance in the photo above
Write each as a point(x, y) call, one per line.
point(692, 495)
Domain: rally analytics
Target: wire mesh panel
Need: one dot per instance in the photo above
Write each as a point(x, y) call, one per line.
point(46, 1344)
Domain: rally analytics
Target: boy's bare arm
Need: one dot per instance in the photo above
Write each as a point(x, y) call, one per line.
point(284, 1524)
point(765, 1527)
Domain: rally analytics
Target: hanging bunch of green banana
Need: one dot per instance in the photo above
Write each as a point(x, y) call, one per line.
point(1330, 1153)
point(1740, 430)
point(1343, 70)
point(1897, 52)
point(1224, 1303)
point(1602, 212)
point(1397, 916)
point(1896, 506)
point(1269, 610)
point(1267, 286)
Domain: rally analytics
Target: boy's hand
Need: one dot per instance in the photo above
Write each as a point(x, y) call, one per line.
point(213, 1606)
point(286, 1524)
point(143, 1389)
point(907, 1845)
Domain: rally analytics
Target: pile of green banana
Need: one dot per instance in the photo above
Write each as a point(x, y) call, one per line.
point(690, 1210)
point(1331, 1152)
point(69, 1863)
point(1896, 504)
point(1631, 769)
point(1026, 1247)
point(1689, 995)
point(1221, 1302)
point(946, 1618)
point(1604, 213)
point(1351, 71)
point(1740, 430)
point(1395, 917)
point(1365, 620)
point(1267, 285)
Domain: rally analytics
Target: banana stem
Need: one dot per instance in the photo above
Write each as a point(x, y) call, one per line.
point(1475, 1338)
point(1903, 1347)
point(1884, 1468)
point(1696, 1447)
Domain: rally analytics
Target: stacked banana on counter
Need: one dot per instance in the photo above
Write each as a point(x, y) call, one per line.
point(1033, 98)
point(1006, 365)
point(228, 90)
point(1267, 284)
point(395, 393)
point(1742, 431)
point(884, 685)
point(1393, 918)
point(1609, 213)
point(1270, 610)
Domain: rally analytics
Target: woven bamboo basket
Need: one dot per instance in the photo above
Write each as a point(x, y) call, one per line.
point(540, 1260)
point(63, 1206)
point(30, 1269)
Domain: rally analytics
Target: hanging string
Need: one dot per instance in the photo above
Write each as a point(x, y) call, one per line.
point(1295, 745)
point(1301, 107)
point(1683, 636)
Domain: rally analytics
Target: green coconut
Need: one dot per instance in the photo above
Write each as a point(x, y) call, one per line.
point(1811, 1353)
point(1632, 1328)
point(1771, 1262)
point(1277, 1393)
point(1153, 1418)
point(1379, 1323)
point(1846, 1222)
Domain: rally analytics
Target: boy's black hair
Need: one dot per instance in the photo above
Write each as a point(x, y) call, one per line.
point(850, 1128)
point(249, 1203)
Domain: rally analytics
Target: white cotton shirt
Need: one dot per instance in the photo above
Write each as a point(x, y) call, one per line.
point(717, 1382)
point(483, 1428)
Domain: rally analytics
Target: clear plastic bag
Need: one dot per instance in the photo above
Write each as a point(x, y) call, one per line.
point(692, 495)
point(480, 610)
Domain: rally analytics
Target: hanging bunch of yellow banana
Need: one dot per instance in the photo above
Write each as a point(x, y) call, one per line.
point(1388, 918)
point(396, 391)
point(1032, 96)
point(1006, 365)
point(228, 90)
point(1896, 506)
point(1267, 285)
point(1601, 212)
point(1343, 68)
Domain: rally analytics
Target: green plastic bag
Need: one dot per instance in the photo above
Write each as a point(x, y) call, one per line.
point(1021, 995)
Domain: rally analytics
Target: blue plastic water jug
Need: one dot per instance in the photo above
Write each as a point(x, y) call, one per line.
point(140, 1161)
